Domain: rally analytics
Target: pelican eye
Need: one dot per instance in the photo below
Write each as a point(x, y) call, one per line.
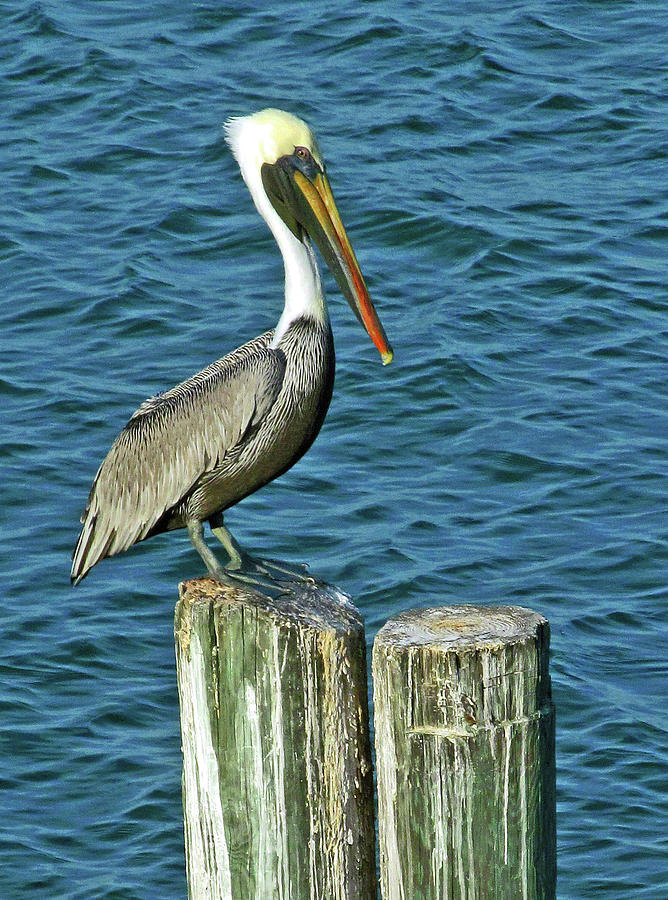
point(303, 153)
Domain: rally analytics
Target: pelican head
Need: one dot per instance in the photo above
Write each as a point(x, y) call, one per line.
point(285, 173)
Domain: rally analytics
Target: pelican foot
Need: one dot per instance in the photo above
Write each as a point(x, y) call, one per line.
point(239, 579)
point(298, 573)
point(273, 577)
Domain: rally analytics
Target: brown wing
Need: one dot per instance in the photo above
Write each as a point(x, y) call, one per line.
point(170, 442)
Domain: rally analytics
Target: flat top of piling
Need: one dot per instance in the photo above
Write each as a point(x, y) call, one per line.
point(449, 627)
point(312, 603)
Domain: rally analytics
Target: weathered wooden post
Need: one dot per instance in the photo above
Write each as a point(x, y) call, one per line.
point(465, 755)
point(277, 780)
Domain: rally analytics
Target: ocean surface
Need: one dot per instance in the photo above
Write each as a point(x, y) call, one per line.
point(502, 172)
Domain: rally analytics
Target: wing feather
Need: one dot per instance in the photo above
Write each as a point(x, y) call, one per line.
point(170, 442)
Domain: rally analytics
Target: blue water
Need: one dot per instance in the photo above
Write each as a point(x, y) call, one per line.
point(502, 172)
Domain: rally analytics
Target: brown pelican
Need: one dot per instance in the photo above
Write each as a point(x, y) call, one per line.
point(188, 454)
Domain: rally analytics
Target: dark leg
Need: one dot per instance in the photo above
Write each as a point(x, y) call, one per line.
point(231, 576)
point(241, 560)
point(214, 568)
point(234, 551)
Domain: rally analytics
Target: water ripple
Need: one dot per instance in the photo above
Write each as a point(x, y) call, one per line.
point(500, 174)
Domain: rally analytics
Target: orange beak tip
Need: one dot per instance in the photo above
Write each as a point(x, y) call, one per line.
point(387, 356)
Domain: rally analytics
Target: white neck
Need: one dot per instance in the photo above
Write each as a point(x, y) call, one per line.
point(304, 295)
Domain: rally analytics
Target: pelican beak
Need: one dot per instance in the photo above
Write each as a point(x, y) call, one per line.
point(304, 198)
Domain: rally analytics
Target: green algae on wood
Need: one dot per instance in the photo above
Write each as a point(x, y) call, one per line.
point(465, 755)
point(277, 780)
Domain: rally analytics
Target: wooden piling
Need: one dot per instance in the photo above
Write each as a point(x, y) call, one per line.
point(465, 755)
point(277, 780)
